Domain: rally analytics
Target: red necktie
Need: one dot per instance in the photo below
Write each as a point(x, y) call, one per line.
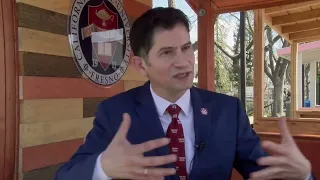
point(176, 145)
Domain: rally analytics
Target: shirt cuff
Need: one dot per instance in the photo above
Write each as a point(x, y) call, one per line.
point(98, 173)
point(309, 177)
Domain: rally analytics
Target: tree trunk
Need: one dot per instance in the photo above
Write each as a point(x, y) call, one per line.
point(277, 107)
point(307, 81)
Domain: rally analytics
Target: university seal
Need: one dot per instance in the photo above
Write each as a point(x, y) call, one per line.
point(98, 33)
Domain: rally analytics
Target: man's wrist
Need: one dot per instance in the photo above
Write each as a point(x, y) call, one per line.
point(99, 173)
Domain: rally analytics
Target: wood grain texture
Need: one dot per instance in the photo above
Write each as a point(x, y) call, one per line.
point(132, 7)
point(51, 88)
point(59, 6)
point(39, 133)
point(9, 111)
point(132, 84)
point(133, 75)
point(37, 18)
point(37, 157)
point(135, 8)
point(47, 173)
point(38, 110)
point(35, 64)
point(309, 146)
point(206, 64)
point(258, 83)
point(40, 19)
point(35, 41)
point(2, 94)
point(297, 127)
point(226, 6)
point(90, 106)
point(146, 2)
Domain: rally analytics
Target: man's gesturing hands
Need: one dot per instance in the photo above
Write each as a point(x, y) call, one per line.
point(126, 161)
point(286, 162)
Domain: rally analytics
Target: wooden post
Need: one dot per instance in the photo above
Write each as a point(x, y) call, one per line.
point(2, 94)
point(294, 68)
point(258, 63)
point(206, 45)
point(8, 90)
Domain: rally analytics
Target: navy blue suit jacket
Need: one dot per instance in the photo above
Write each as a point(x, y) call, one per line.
point(228, 139)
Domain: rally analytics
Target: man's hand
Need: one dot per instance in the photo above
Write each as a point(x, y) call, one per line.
point(286, 160)
point(126, 161)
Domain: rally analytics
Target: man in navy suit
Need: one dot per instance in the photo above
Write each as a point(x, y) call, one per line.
point(168, 129)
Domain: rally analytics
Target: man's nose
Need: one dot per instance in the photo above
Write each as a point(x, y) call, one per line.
point(181, 60)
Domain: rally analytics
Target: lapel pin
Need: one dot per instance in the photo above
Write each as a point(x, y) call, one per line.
point(204, 111)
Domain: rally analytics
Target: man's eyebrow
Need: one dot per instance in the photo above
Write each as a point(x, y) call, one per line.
point(187, 44)
point(166, 48)
point(171, 47)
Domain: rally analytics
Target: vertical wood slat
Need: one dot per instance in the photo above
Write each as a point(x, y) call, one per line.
point(2, 93)
point(206, 46)
point(10, 52)
point(258, 63)
point(294, 68)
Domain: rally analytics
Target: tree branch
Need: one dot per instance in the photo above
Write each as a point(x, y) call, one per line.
point(275, 39)
point(267, 71)
point(249, 23)
point(222, 50)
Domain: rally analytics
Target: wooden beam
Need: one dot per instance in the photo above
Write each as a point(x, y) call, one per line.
point(301, 27)
point(193, 4)
point(294, 83)
point(277, 9)
point(258, 63)
point(278, 29)
point(2, 94)
point(297, 17)
point(9, 125)
point(227, 6)
point(304, 34)
point(297, 126)
point(206, 45)
point(309, 39)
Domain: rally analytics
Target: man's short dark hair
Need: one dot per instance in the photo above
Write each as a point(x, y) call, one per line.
point(143, 28)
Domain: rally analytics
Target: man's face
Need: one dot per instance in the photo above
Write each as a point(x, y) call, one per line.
point(171, 60)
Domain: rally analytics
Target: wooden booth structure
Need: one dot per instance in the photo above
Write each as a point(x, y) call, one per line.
point(297, 22)
point(47, 105)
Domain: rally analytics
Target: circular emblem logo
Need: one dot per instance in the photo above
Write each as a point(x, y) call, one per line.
point(98, 33)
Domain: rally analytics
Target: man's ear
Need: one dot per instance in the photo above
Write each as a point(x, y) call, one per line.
point(140, 65)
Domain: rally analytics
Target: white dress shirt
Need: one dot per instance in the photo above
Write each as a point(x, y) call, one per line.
point(186, 118)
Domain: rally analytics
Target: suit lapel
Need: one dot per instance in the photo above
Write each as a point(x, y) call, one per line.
point(202, 113)
point(149, 120)
point(202, 117)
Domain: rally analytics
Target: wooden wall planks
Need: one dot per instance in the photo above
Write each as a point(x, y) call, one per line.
point(132, 7)
point(55, 87)
point(90, 106)
point(57, 104)
point(132, 84)
point(39, 110)
point(35, 64)
point(45, 155)
point(36, 41)
point(47, 22)
point(33, 134)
